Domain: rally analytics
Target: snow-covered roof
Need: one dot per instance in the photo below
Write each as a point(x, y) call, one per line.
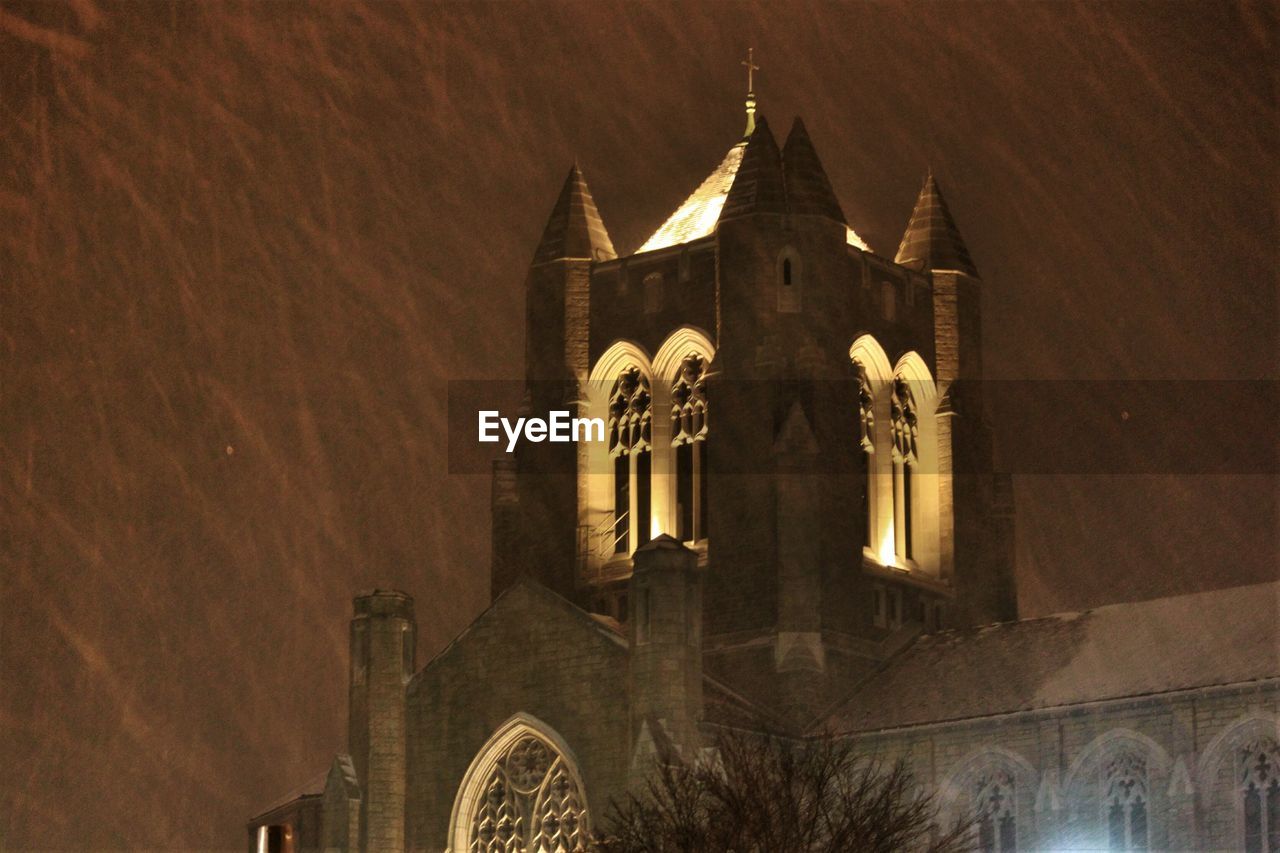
point(1227, 636)
point(700, 213)
point(851, 237)
point(697, 217)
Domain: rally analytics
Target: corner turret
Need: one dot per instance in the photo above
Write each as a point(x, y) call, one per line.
point(574, 231)
point(932, 241)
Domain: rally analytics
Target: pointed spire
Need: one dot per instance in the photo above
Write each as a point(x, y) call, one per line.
point(808, 187)
point(932, 241)
point(758, 185)
point(575, 229)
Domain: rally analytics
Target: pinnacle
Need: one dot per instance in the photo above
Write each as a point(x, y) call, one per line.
point(758, 186)
point(932, 241)
point(575, 230)
point(809, 189)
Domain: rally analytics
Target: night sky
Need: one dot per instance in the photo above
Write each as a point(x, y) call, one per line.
point(245, 246)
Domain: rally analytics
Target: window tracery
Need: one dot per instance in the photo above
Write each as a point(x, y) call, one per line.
point(530, 804)
point(866, 440)
point(1258, 772)
point(995, 812)
point(905, 429)
point(630, 421)
point(629, 412)
point(1126, 800)
point(689, 441)
point(866, 410)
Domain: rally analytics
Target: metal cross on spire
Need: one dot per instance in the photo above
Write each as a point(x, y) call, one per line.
point(751, 69)
point(751, 92)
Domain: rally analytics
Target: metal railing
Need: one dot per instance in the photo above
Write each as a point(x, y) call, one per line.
point(599, 542)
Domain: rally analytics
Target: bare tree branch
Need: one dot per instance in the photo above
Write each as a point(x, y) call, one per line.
point(763, 793)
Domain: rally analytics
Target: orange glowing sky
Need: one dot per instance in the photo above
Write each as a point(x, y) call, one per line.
point(245, 246)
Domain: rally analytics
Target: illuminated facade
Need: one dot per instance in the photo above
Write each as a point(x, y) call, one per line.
point(794, 522)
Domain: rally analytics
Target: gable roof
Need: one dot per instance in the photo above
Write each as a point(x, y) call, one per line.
point(312, 788)
point(724, 706)
point(1227, 636)
point(530, 599)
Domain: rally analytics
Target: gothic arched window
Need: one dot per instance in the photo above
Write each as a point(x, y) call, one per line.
point(995, 812)
point(867, 442)
point(1258, 773)
point(689, 443)
point(1126, 800)
point(630, 449)
point(906, 432)
point(524, 799)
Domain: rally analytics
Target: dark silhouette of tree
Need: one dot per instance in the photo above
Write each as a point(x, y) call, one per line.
point(762, 793)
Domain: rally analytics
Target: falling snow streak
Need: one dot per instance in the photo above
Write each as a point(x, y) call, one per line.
point(245, 245)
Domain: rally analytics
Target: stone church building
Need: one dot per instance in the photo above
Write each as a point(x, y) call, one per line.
point(792, 522)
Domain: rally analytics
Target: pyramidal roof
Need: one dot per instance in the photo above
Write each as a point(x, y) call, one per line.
point(575, 229)
point(698, 216)
point(755, 177)
point(932, 240)
point(808, 187)
point(759, 186)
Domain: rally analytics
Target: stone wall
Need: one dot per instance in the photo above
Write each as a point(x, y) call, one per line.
point(531, 653)
point(1055, 759)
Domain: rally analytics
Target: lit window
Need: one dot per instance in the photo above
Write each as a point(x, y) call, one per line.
point(689, 443)
point(275, 839)
point(629, 446)
point(529, 800)
point(906, 432)
point(866, 440)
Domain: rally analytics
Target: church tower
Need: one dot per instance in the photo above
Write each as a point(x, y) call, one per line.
point(804, 414)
